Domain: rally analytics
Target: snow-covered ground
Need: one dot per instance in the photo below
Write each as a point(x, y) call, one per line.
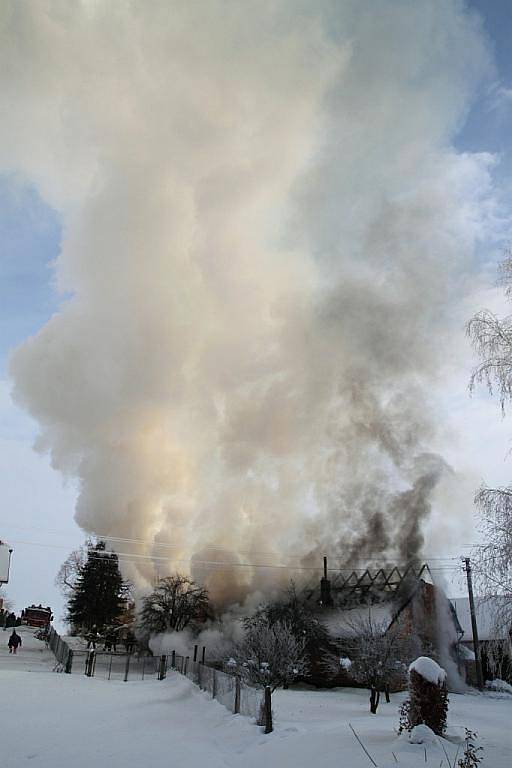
point(31, 657)
point(54, 720)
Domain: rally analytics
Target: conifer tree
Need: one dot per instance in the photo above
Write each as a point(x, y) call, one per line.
point(99, 595)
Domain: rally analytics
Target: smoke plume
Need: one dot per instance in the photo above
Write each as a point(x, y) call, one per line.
point(264, 222)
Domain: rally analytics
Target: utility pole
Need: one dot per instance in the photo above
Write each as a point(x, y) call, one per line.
point(476, 645)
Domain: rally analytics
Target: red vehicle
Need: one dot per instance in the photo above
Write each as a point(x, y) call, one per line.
point(37, 616)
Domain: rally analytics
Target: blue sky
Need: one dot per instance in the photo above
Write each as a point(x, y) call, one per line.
point(30, 236)
point(487, 128)
point(30, 233)
point(34, 498)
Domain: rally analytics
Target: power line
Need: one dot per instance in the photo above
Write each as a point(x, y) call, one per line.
point(135, 558)
point(214, 548)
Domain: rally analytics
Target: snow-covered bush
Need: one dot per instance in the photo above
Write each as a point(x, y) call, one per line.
point(428, 697)
point(499, 685)
point(269, 654)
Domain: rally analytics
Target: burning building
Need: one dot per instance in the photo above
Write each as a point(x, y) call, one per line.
point(402, 600)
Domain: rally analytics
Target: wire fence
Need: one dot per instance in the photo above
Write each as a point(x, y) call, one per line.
point(61, 650)
point(120, 666)
point(229, 690)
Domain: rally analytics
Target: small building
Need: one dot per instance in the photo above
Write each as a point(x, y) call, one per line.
point(493, 614)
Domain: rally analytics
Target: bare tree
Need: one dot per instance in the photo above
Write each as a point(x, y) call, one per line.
point(378, 655)
point(175, 602)
point(493, 570)
point(269, 654)
point(70, 570)
point(7, 604)
point(494, 557)
point(492, 340)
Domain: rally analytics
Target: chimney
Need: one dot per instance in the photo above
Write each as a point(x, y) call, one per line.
point(325, 588)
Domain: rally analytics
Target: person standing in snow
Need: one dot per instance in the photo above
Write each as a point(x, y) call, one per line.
point(129, 642)
point(92, 638)
point(14, 642)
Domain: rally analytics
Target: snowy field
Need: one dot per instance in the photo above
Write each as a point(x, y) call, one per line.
point(54, 720)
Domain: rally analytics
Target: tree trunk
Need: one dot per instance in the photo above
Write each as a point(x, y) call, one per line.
point(374, 700)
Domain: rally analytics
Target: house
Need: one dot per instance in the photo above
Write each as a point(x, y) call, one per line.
point(403, 599)
point(494, 625)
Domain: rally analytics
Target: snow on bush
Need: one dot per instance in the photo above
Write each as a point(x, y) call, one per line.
point(422, 734)
point(428, 697)
point(499, 685)
point(429, 670)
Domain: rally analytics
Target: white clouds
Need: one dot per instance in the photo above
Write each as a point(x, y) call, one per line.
point(264, 226)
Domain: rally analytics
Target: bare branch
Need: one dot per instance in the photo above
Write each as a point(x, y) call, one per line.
point(492, 341)
point(269, 654)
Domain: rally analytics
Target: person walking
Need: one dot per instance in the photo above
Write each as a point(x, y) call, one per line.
point(14, 642)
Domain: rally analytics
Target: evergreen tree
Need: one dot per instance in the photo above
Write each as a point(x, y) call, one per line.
point(99, 595)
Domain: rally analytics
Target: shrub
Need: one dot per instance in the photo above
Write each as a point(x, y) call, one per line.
point(428, 702)
point(428, 697)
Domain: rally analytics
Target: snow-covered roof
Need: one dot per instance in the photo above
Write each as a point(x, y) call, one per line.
point(486, 610)
point(345, 623)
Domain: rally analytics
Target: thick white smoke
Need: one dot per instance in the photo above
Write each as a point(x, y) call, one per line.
point(264, 224)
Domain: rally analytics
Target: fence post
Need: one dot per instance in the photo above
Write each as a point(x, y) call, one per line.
point(69, 662)
point(236, 709)
point(214, 684)
point(161, 673)
point(268, 710)
point(195, 653)
point(127, 667)
point(204, 654)
point(173, 660)
point(110, 667)
point(186, 665)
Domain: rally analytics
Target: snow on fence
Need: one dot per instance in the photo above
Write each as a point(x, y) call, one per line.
point(229, 690)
